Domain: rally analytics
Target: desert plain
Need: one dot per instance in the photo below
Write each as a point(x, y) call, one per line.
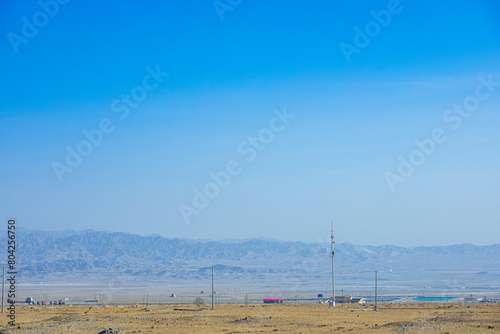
point(260, 318)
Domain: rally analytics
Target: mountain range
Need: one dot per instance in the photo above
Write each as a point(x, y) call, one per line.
point(89, 250)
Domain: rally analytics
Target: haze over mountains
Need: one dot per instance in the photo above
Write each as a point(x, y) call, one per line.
point(96, 251)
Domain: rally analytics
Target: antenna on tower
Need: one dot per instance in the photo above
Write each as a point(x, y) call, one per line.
point(333, 270)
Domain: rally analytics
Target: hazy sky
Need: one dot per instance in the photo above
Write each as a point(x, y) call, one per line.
point(382, 116)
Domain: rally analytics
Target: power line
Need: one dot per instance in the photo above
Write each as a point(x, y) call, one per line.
point(333, 270)
point(376, 290)
point(212, 287)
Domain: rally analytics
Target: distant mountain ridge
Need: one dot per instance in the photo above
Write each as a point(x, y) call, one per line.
point(95, 250)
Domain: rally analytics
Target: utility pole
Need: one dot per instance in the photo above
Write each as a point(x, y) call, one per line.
point(3, 284)
point(376, 290)
point(333, 270)
point(213, 287)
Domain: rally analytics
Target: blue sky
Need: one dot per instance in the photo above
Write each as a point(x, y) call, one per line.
point(226, 81)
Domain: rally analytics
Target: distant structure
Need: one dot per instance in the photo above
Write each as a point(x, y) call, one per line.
point(347, 300)
point(273, 301)
point(357, 300)
point(344, 299)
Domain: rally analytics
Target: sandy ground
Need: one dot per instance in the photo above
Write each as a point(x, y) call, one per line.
point(390, 318)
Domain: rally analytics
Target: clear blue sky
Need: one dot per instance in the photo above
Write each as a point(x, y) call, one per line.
point(353, 119)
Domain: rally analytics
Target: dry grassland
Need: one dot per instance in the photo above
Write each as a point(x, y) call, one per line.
point(390, 318)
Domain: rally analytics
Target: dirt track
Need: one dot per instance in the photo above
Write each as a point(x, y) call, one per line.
point(391, 318)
